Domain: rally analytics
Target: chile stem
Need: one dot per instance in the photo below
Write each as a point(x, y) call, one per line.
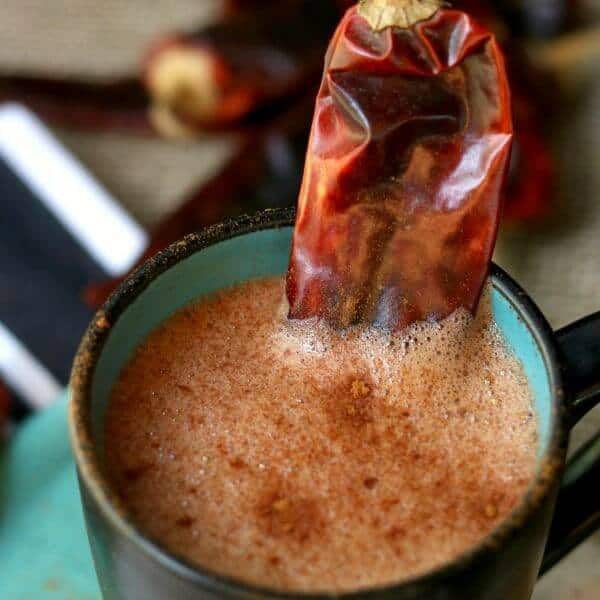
point(382, 14)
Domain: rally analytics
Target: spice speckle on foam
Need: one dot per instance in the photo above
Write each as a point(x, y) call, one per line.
point(293, 456)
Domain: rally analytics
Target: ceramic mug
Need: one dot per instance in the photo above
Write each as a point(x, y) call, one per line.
point(562, 369)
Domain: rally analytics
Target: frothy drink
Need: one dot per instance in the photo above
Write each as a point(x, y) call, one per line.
point(292, 456)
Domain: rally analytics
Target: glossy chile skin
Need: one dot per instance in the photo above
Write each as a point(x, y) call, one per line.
point(400, 201)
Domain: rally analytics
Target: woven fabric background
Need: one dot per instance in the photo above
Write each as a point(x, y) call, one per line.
point(104, 40)
point(558, 262)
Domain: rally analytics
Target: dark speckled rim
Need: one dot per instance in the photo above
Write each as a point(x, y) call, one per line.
point(89, 466)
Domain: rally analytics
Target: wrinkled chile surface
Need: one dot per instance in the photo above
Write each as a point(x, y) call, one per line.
point(399, 207)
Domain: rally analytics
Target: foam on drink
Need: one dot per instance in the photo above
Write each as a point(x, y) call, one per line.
point(289, 455)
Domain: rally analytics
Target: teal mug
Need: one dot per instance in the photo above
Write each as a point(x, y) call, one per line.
point(562, 368)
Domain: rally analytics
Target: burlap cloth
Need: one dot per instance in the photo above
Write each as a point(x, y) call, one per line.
point(559, 264)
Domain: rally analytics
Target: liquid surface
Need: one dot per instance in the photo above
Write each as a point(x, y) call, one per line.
point(294, 457)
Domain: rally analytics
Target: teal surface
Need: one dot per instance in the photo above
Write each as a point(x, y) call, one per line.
point(44, 552)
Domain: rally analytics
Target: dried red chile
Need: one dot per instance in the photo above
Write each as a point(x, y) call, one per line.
point(399, 207)
point(528, 195)
point(243, 66)
point(119, 105)
point(529, 192)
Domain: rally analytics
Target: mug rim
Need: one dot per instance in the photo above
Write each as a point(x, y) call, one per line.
point(112, 508)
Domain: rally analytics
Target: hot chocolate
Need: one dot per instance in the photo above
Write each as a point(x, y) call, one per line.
point(293, 456)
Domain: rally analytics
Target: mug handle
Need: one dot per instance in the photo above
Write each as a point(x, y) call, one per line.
point(577, 513)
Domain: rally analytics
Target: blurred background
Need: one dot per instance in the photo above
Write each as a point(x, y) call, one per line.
point(162, 117)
